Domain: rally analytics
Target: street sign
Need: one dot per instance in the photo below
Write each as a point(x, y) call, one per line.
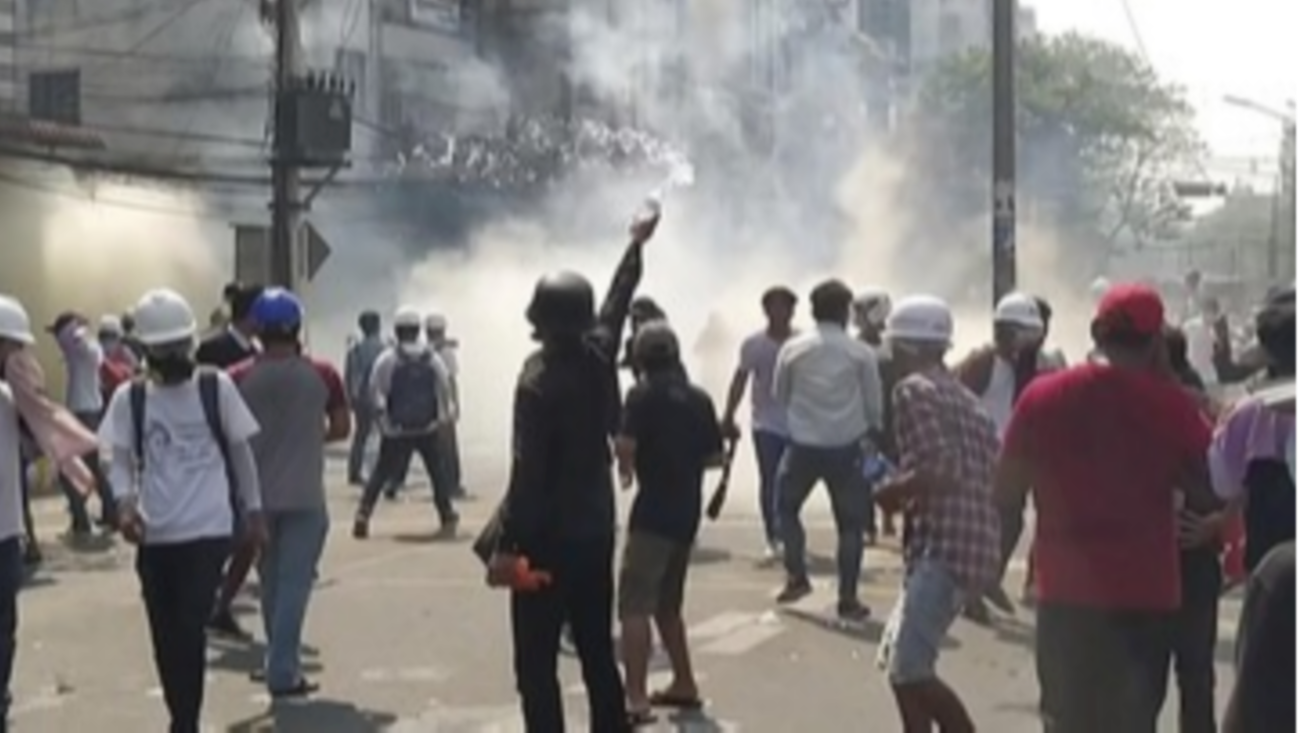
point(316, 250)
point(253, 253)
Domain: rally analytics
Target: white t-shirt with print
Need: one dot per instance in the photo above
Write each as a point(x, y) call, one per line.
point(184, 493)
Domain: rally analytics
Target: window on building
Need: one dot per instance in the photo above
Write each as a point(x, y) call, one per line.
point(55, 96)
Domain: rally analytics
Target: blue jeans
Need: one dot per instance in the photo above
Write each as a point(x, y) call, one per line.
point(287, 570)
point(362, 426)
point(770, 448)
point(850, 500)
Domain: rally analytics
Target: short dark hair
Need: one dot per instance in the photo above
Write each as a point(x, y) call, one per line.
point(241, 301)
point(778, 293)
point(831, 302)
point(1275, 327)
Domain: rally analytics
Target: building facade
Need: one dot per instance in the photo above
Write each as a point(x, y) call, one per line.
point(8, 55)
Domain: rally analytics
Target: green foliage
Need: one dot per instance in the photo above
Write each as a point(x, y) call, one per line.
point(1099, 136)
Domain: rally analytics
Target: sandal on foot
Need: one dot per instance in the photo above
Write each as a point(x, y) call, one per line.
point(665, 699)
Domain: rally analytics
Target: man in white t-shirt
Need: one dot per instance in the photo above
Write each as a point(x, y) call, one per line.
point(769, 425)
point(182, 468)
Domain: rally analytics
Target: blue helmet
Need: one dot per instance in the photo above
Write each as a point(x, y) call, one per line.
point(277, 309)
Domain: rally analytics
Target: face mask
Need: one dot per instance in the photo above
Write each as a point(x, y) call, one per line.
point(411, 348)
point(1289, 453)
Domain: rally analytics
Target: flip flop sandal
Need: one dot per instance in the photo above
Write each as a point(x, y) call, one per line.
point(664, 699)
point(640, 718)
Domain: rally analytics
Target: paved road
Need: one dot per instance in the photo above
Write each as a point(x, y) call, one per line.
point(404, 637)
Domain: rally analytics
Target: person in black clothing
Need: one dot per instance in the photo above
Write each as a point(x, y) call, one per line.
point(224, 349)
point(643, 310)
point(1263, 700)
point(669, 436)
point(558, 512)
point(234, 343)
point(1196, 625)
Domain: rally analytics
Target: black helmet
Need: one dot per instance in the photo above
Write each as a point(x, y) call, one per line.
point(656, 342)
point(563, 303)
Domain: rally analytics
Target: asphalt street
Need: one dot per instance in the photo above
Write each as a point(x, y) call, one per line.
point(403, 636)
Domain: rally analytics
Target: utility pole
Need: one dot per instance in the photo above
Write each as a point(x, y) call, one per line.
point(1003, 148)
point(285, 181)
point(1281, 259)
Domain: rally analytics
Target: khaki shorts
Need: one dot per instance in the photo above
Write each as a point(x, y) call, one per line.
point(652, 580)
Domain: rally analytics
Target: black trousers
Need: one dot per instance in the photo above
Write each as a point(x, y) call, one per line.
point(1102, 671)
point(11, 581)
point(395, 453)
point(582, 594)
point(1196, 640)
point(179, 582)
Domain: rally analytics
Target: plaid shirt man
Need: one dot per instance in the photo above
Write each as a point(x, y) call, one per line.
point(942, 431)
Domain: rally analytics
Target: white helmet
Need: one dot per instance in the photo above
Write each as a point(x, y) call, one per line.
point(872, 305)
point(15, 324)
point(1019, 309)
point(110, 325)
point(407, 317)
point(922, 319)
point(1099, 287)
point(163, 317)
point(435, 322)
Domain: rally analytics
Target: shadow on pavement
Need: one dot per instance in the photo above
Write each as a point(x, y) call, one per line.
point(694, 721)
point(315, 716)
point(708, 555)
point(432, 537)
point(1015, 631)
point(869, 630)
point(247, 657)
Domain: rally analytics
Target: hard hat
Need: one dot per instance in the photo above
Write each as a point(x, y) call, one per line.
point(1099, 286)
point(873, 305)
point(656, 341)
point(407, 317)
point(162, 317)
point(110, 325)
point(277, 309)
point(563, 303)
point(922, 319)
point(435, 322)
point(15, 324)
point(1018, 309)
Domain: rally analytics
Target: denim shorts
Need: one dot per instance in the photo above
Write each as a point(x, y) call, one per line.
point(928, 606)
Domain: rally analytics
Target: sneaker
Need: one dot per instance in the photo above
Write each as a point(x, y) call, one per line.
point(795, 589)
point(360, 528)
point(851, 609)
point(303, 688)
point(448, 528)
point(224, 623)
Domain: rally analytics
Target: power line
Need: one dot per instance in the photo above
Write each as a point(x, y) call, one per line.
point(58, 50)
point(164, 24)
point(127, 15)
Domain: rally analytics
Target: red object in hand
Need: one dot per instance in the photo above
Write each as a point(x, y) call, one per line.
point(524, 578)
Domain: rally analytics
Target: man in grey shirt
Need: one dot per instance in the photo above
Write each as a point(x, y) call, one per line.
point(290, 394)
point(829, 385)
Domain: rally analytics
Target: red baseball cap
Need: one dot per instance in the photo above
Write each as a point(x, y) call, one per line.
point(1131, 308)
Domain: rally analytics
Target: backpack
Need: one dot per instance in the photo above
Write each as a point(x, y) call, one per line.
point(413, 392)
point(210, 397)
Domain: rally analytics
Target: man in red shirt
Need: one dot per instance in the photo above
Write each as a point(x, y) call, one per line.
point(1105, 448)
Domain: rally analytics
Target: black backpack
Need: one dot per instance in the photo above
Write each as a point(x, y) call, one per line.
point(210, 396)
point(413, 392)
